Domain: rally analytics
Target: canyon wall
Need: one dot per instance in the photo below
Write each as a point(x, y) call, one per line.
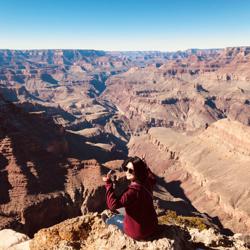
point(212, 167)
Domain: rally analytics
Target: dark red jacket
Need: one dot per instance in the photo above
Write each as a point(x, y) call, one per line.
point(140, 219)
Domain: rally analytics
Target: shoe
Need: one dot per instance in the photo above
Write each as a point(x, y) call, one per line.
point(104, 217)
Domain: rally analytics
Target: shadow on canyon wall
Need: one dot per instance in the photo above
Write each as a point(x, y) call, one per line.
point(184, 206)
point(78, 148)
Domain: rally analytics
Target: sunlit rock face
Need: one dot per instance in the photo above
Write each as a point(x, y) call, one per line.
point(211, 168)
point(9, 239)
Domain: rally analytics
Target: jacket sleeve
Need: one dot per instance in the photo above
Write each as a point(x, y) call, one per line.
point(113, 202)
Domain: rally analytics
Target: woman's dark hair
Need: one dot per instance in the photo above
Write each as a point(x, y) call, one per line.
point(140, 167)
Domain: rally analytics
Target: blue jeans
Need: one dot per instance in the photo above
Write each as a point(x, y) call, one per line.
point(116, 220)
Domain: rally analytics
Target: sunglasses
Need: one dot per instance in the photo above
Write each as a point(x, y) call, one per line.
point(125, 169)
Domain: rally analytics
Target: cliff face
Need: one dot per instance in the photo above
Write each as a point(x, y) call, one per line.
point(43, 177)
point(212, 168)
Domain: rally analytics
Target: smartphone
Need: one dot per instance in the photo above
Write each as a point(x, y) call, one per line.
point(110, 172)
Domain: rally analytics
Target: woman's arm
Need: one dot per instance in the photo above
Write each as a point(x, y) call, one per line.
point(113, 203)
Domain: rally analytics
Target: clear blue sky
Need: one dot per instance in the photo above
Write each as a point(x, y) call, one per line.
point(124, 24)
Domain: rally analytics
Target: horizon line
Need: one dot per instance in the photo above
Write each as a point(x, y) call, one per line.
point(133, 50)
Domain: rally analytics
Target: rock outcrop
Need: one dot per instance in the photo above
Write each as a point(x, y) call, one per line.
point(11, 240)
point(90, 232)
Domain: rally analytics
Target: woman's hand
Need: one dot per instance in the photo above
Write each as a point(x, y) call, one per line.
point(107, 177)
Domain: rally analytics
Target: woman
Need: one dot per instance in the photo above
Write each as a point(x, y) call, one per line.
point(140, 219)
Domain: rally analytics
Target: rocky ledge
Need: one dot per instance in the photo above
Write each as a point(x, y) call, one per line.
point(90, 232)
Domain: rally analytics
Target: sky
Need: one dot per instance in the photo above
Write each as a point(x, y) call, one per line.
point(162, 25)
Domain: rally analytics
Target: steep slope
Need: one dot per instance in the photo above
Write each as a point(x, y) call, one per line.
point(45, 171)
point(210, 169)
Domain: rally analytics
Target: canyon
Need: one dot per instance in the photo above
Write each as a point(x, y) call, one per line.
point(69, 116)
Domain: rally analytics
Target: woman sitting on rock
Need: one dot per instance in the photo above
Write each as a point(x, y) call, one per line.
point(140, 220)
